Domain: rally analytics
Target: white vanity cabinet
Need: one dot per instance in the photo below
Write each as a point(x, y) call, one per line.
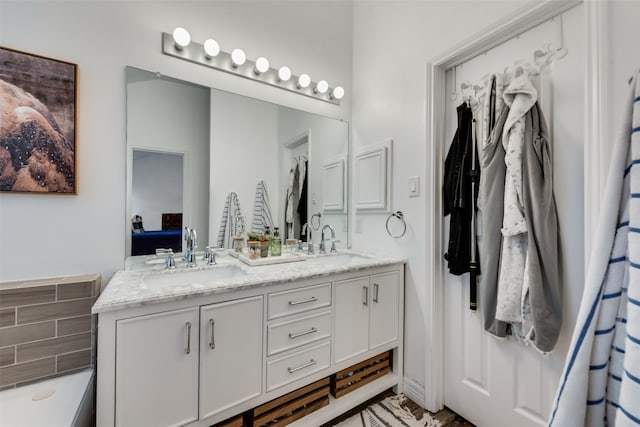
point(197, 359)
point(157, 369)
point(230, 354)
point(366, 314)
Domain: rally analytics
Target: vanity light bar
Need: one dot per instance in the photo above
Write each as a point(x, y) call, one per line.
point(236, 62)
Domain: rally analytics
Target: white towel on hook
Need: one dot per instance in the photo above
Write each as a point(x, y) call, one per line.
point(600, 383)
point(261, 210)
point(232, 222)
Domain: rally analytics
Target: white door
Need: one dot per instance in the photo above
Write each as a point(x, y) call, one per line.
point(383, 303)
point(230, 354)
point(157, 369)
point(495, 382)
point(351, 323)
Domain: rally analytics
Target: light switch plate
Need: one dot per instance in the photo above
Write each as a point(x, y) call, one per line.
point(414, 186)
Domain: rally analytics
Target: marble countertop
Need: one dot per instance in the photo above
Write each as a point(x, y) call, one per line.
point(146, 282)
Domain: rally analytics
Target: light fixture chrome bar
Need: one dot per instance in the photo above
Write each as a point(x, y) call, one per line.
point(194, 52)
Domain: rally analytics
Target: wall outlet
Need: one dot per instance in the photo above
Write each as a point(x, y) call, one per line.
point(414, 186)
point(358, 224)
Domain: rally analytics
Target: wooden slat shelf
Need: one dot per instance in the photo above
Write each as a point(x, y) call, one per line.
point(360, 374)
point(292, 406)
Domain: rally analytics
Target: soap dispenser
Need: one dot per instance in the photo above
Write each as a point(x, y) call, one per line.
point(276, 243)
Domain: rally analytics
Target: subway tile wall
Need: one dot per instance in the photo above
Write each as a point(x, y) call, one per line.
point(46, 328)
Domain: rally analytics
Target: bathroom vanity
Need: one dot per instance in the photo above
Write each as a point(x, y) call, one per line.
point(195, 346)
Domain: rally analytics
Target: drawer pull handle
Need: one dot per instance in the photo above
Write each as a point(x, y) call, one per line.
point(212, 338)
point(375, 292)
point(302, 333)
point(187, 348)
point(306, 365)
point(365, 295)
point(303, 301)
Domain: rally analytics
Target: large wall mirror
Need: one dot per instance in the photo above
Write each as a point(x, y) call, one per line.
point(189, 147)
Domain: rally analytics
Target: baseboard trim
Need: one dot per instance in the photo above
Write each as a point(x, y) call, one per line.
point(413, 391)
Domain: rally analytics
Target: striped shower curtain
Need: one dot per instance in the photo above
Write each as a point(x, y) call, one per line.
point(600, 385)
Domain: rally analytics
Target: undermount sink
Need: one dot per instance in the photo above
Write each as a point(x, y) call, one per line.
point(338, 260)
point(194, 276)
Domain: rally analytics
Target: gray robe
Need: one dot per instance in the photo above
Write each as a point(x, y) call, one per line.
point(543, 261)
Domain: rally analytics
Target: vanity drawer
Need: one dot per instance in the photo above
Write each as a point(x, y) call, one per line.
point(299, 365)
point(287, 335)
point(299, 300)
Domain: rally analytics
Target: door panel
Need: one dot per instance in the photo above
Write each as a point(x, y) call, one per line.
point(500, 382)
point(157, 369)
point(383, 301)
point(352, 315)
point(230, 354)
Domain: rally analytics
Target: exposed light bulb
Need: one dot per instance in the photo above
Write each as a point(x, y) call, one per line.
point(262, 65)
point(211, 48)
point(321, 87)
point(181, 38)
point(337, 92)
point(284, 74)
point(304, 81)
point(238, 57)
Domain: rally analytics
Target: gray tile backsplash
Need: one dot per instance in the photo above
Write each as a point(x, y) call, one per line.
point(7, 317)
point(26, 333)
point(54, 310)
point(74, 325)
point(46, 328)
point(26, 295)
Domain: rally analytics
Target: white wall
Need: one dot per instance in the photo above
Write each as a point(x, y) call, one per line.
point(85, 233)
point(157, 186)
point(244, 150)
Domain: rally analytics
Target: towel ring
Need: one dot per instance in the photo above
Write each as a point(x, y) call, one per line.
point(400, 216)
point(316, 215)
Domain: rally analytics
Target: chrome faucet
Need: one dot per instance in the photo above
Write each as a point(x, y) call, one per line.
point(191, 240)
point(306, 228)
point(323, 249)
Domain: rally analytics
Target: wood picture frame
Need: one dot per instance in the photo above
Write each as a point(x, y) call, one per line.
point(38, 129)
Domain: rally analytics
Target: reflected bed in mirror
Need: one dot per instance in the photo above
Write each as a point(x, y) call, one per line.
point(229, 143)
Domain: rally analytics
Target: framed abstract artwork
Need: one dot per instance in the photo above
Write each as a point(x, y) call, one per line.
point(37, 124)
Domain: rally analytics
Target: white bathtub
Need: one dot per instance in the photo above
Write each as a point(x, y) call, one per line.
point(65, 401)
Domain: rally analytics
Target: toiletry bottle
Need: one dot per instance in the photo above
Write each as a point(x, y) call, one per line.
point(268, 237)
point(276, 243)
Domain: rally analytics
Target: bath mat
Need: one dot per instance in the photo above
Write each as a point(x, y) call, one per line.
point(390, 412)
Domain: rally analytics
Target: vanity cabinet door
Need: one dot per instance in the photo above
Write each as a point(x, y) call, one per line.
point(384, 306)
point(157, 369)
point(230, 354)
point(351, 310)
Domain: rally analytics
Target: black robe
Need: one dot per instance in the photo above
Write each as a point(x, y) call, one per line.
point(456, 194)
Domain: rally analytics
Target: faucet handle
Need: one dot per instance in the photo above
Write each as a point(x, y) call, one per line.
point(169, 260)
point(210, 254)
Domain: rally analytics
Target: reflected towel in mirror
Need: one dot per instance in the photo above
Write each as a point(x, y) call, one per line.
point(261, 210)
point(232, 222)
